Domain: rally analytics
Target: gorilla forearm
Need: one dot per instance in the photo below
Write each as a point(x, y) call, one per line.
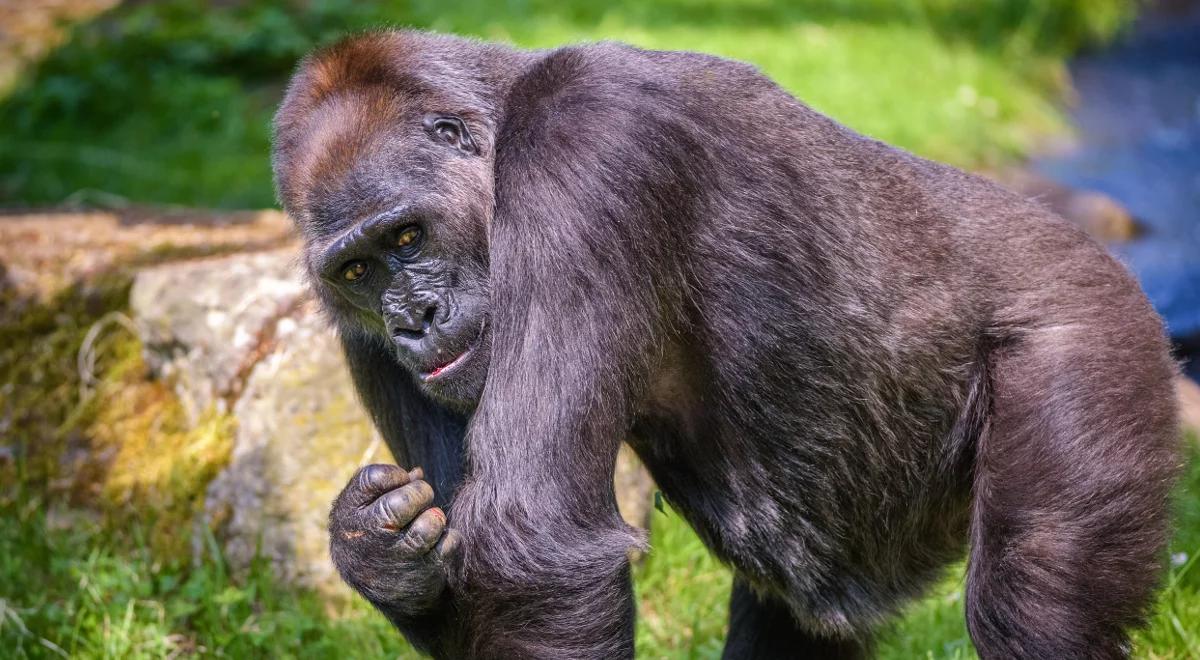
point(545, 549)
point(535, 590)
point(415, 595)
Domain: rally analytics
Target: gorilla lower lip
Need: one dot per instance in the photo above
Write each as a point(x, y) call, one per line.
point(438, 371)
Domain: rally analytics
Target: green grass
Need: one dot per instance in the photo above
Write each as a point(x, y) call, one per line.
point(72, 586)
point(170, 101)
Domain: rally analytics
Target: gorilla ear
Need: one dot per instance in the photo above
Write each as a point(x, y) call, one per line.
point(452, 130)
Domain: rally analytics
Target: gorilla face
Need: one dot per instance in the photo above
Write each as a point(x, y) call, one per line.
point(396, 232)
point(399, 270)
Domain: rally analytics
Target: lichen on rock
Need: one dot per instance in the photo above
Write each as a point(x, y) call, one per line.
point(301, 435)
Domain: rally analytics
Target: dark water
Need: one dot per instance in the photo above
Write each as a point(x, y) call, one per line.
point(1138, 116)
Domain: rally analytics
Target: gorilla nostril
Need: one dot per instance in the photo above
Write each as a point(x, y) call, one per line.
point(416, 333)
point(405, 333)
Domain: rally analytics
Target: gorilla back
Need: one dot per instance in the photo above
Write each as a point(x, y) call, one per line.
point(842, 363)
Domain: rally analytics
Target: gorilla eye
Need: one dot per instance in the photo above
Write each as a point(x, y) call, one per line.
point(447, 131)
point(453, 131)
point(354, 270)
point(408, 236)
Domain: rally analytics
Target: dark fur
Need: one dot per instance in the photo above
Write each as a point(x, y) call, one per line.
point(840, 362)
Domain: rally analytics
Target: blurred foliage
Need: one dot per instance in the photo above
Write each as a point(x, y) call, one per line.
point(170, 101)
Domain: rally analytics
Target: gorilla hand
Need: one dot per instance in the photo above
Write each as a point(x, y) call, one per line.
point(388, 542)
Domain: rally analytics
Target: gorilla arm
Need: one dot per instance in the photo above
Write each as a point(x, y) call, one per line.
point(577, 313)
point(386, 534)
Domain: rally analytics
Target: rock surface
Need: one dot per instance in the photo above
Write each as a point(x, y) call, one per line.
point(1188, 395)
point(301, 434)
point(204, 322)
point(44, 251)
point(1094, 212)
point(634, 488)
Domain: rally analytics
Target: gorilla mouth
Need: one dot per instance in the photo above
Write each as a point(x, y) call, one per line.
point(447, 367)
point(441, 370)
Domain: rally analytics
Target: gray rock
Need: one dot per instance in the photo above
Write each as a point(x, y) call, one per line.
point(1187, 393)
point(301, 435)
point(1095, 212)
point(203, 322)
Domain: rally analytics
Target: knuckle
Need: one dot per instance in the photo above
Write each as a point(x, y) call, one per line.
point(429, 525)
point(407, 545)
point(396, 506)
point(372, 476)
point(418, 493)
point(425, 531)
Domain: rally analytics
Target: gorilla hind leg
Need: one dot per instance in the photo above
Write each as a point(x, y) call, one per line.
point(764, 629)
point(1072, 477)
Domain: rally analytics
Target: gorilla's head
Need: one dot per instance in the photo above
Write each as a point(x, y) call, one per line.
point(389, 179)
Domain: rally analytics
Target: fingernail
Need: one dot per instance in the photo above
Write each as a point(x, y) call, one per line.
point(425, 525)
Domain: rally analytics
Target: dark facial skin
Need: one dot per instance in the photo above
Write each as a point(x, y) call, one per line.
point(845, 366)
point(394, 270)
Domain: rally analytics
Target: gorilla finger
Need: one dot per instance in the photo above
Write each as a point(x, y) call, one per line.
point(424, 532)
point(396, 509)
point(372, 481)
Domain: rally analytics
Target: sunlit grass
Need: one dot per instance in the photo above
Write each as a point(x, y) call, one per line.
point(935, 627)
point(683, 594)
point(67, 587)
point(72, 587)
point(71, 583)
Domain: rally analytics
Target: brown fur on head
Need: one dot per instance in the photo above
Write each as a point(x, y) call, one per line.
point(346, 100)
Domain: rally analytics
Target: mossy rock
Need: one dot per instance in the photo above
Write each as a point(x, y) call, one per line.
point(301, 435)
point(204, 323)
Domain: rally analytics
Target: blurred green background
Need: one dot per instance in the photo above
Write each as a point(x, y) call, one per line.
point(168, 103)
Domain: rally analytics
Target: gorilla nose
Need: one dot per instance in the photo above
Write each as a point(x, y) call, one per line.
point(409, 328)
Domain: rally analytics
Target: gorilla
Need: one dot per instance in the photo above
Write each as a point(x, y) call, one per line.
point(845, 366)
